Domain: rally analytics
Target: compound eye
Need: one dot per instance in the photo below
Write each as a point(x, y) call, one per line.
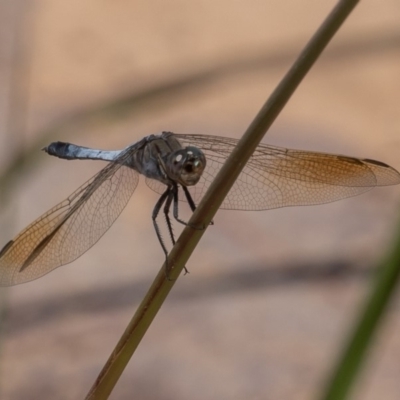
point(178, 159)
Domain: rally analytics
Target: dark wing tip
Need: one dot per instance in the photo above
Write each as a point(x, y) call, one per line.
point(385, 174)
point(376, 162)
point(6, 247)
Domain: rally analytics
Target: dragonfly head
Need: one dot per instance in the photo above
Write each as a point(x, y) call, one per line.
point(185, 166)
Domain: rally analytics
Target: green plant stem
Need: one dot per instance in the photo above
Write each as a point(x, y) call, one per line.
point(350, 363)
point(212, 201)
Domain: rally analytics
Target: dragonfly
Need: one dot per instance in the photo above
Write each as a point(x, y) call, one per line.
point(178, 167)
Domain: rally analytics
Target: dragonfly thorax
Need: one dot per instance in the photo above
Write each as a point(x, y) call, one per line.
point(185, 166)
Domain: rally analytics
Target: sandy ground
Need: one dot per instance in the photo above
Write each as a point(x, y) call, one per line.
point(271, 295)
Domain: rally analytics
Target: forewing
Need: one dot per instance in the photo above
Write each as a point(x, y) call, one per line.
point(276, 177)
point(70, 228)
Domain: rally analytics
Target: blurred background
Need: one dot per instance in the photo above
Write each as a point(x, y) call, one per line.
point(271, 296)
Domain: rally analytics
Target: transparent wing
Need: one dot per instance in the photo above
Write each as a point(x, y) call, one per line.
point(70, 228)
point(276, 177)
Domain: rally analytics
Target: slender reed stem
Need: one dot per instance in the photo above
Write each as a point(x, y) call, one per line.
point(212, 201)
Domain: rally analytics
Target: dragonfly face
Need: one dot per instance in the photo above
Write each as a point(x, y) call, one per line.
point(273, 177)
point(185, 166)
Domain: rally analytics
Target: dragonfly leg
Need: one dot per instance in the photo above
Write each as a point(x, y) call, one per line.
point(167, 207)
point(176, 206)
point(156, 210)
point(166, 198)
point(192, 206)
point(173, 196)
point(189, 198)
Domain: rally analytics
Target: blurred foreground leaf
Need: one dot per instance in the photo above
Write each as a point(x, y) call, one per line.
point(382, 290)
